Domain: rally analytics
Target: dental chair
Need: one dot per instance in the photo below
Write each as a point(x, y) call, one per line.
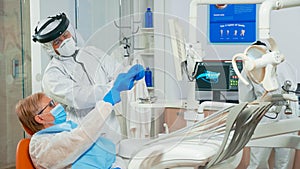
point(23, 160)
point(215, 142)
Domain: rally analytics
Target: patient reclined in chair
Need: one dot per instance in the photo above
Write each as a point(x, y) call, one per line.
point(215, 142)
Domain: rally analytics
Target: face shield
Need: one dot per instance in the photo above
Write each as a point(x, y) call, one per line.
point(57, 36)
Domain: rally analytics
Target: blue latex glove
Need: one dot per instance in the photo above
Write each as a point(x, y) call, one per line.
point(124, 81)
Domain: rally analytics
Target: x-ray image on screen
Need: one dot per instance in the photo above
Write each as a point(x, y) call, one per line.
point(216, 75)
point(212, 77)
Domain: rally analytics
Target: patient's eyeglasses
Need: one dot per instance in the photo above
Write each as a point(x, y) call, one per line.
point(51, 104)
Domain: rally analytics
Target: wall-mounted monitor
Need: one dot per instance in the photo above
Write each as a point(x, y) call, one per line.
point(217, 75)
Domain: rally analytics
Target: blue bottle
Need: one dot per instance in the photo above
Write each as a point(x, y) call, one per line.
point(148, 18)
point(148, 77)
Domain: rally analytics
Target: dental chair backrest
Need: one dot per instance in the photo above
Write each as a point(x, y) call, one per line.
point(23, 160)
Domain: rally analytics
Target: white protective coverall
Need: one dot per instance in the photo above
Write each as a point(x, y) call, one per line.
point(61, 150)
point(259, 156)
point(78, 83)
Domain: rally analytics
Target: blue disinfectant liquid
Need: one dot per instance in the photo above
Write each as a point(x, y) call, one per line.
point(148, 77)
point(148, 18)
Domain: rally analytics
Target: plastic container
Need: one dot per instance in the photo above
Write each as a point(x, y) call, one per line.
point(148, 18)
point(148, 77)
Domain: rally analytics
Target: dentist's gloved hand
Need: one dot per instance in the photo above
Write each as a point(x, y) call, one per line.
point(124, 81)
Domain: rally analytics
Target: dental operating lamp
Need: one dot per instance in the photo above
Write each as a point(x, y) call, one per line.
point(260, 65)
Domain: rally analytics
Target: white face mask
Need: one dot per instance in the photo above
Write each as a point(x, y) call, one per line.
point(67, 47)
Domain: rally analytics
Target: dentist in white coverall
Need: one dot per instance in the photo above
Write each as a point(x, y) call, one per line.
point(259, 156)
point(76, 77)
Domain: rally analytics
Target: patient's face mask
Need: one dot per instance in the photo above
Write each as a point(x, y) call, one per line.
point(59, 114)
point(67, 47)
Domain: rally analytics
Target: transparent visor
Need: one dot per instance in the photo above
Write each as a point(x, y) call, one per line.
point(51, 33)
point(53, 46)
point(68, 33)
